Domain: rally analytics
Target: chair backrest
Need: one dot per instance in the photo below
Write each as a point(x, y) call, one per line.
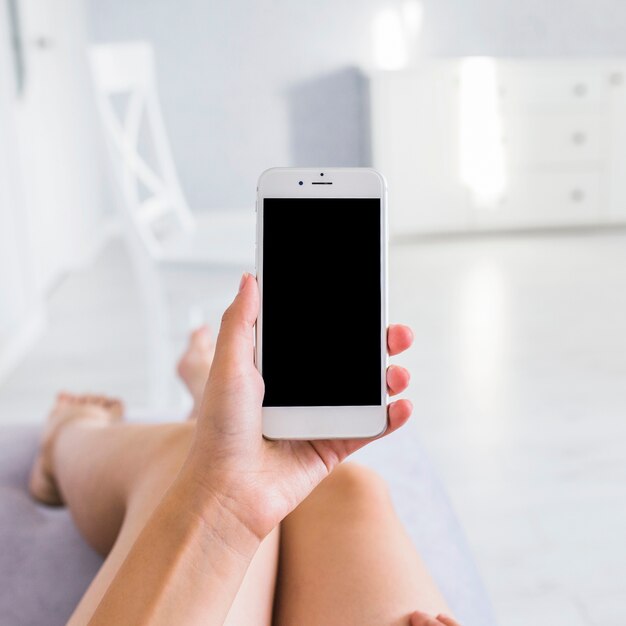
point(127, 101)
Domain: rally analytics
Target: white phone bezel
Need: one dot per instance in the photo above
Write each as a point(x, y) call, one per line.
point(324, 422)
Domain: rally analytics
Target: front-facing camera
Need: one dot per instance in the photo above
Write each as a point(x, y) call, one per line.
point(300, 183)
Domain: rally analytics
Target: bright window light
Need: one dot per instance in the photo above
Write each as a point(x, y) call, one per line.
point(482, 161)
point(412, 15)
point(395, 31)
point(390, 46)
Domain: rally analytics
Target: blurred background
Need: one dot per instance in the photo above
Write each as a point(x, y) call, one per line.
point(131, 138)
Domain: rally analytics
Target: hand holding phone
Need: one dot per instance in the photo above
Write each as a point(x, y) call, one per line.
point(260, 481)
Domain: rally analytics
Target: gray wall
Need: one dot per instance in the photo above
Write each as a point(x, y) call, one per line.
point(234, 75)
point(525, 27)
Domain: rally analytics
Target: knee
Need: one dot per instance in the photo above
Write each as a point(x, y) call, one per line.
point(351, 484)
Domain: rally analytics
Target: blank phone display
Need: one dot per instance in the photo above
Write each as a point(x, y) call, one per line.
point(321, 307)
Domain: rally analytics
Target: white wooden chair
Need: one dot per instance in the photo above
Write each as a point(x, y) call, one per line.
point(164, 237)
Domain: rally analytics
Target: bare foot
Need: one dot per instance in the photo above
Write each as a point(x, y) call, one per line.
point(195, 364)
point(94, 411)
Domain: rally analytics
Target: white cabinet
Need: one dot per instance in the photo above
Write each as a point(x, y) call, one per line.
point(550, 138)
point(546, 199)
point(414, 136)
point(616, 184)
point(560, 134)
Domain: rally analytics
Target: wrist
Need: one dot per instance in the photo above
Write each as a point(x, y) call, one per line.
point(191, 554)
point(213, 509)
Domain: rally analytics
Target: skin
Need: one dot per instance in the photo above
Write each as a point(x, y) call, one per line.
point(210, 517)
point(278, 473)
point(191, 516)
point(422, 619)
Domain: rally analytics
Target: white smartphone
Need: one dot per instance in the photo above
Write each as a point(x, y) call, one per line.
point(321, 333)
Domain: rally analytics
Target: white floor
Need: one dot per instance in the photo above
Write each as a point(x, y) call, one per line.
point(519, 387)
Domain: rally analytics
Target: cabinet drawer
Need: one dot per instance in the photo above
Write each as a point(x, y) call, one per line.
point(551, 84)
point(547, 199)
point(549, 138)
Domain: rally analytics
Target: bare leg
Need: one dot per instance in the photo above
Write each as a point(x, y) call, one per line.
point(111, 476)
point(346, 559)
point(195, 364)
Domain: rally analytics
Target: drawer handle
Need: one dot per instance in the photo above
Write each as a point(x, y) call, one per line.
point(580, 90)
point(579, 138)
point(577, 196)
point(616, 79)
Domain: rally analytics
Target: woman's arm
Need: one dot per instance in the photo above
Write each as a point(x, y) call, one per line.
point(193, 547)
point(233, 489)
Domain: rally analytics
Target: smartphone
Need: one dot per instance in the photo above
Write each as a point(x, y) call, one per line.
point(321, 332)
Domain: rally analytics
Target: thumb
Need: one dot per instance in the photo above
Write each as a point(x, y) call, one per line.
point(235, 344)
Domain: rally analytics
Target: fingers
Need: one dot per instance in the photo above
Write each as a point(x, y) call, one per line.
point(398, 413)
point(399, 338)
point(235, 339)
point(397, 379)
point(418, 618)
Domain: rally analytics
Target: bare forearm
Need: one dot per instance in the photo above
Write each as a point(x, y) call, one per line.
point(192, 553)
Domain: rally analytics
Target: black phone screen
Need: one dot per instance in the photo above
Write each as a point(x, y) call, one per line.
point(322, 290)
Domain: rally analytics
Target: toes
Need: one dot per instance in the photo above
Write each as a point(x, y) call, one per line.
point(200, 332)
point(95, 400)
point(201, 338)
point(62, 399)
point(62, 402)
point(105, 401)
point(116, 407)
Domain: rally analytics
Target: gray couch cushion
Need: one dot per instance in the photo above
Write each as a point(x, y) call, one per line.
point(45, 566)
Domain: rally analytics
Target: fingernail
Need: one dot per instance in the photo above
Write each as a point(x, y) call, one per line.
point(244, 278)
